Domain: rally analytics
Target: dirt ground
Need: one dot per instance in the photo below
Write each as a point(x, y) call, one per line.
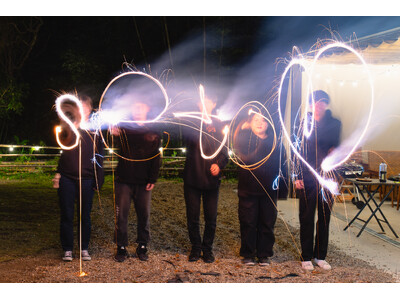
point(169, 249)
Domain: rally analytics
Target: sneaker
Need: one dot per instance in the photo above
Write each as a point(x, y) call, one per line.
point(263, 261)
point(208, 257)
point(67, 256)
point(121, 255)
point(249, 261)
point(85, 255)
point(194, 255)
point(307, 265)
point(141, 252)
point(322, 264)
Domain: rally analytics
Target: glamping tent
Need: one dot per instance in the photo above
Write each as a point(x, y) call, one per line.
point(347, 80)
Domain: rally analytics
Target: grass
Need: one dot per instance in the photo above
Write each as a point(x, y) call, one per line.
point(28, 214)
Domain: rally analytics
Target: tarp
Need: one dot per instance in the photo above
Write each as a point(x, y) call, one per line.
point(343, 76)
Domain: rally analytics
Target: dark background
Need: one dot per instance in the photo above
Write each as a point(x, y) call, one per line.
point(43, 56)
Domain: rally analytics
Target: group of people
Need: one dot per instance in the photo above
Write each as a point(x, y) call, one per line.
point(138, 168)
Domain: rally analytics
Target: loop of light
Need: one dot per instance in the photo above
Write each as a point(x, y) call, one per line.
point(61, 114)
point(233, 156)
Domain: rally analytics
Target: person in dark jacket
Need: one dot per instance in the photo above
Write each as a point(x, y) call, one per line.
point(136, 174)
point(324, 138)
point(201, 181)
point(70, 174)
point(254, 145)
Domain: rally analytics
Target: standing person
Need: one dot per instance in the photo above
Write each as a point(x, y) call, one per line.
point(136, 174)
point(254, 141)
point(201, 179)
point(66, 181)
point(324, 138)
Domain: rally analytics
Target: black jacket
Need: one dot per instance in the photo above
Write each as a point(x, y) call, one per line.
point(68, 165)
point(251, 149)
point(142, 146)
point(325, 135)
point(197, 169)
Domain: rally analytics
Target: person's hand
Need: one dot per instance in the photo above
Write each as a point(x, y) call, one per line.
point(56, 180)
point(214, 169)
point(149, 186)
point(299, 184)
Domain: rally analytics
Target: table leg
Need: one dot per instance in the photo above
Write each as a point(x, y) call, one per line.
point(359, 212)
point(374, 214)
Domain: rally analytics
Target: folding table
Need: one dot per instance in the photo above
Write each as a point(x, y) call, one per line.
point(362, 185)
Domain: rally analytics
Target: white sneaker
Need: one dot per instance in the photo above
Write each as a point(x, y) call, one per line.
point(322, 264)
point(85, 255)
point(67, 256)
point(307, 265)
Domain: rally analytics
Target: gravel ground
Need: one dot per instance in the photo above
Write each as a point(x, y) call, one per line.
point(169, 249)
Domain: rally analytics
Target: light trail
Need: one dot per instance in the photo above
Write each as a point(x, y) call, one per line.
point(329, 163)
point(255, 105)
point(61, 114)
point(205, 117)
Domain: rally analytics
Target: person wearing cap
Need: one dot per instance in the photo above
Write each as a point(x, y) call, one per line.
point(324, 138)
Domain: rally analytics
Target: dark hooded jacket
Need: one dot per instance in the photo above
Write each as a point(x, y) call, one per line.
point(68, 165)
point(197, 169)
point(140, 161)
point(325, 136)
point(251, 149)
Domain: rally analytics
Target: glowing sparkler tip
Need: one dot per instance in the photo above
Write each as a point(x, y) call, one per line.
point(226, 129)
point(332, 186)
point(82, 274)
point(251, 111)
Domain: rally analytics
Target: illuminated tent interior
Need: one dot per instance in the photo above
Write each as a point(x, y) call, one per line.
point(346, 79)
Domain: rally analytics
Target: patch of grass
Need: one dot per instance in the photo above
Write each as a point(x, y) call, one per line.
point(28, 215)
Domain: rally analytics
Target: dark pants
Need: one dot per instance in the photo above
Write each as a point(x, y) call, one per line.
point(210, 205)
point(257, 217)
point(68, 192)
point(124, 193)
point(310, 198)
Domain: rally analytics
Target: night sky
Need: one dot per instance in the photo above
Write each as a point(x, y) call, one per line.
point(85, 53)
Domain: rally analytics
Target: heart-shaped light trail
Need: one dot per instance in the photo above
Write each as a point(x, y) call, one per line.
point(328, 164)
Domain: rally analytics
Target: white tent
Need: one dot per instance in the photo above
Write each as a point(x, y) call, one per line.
point(346, 79)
